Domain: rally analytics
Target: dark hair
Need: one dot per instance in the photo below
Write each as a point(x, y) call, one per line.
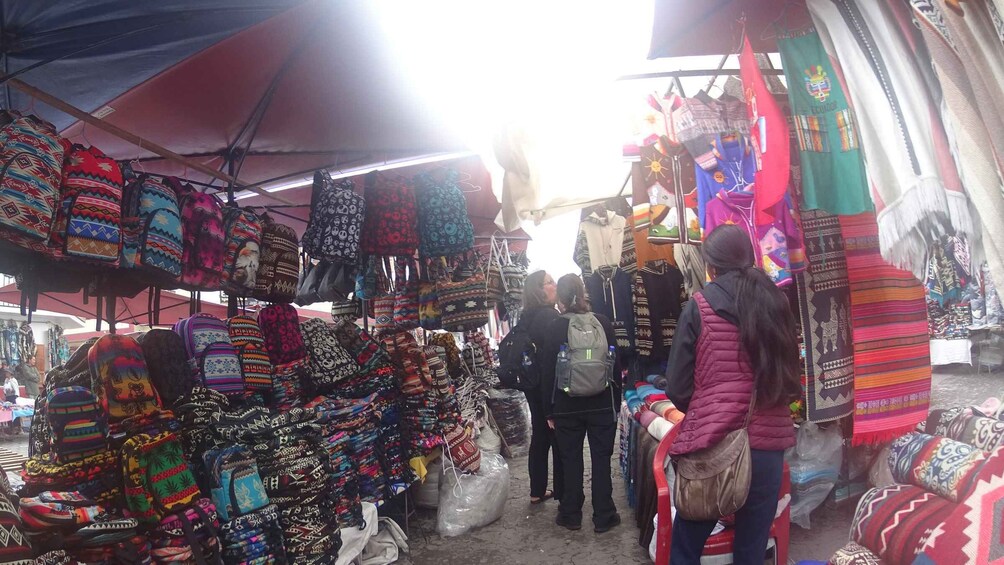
point(572, 294)
point(766, 322)
point(533, 291)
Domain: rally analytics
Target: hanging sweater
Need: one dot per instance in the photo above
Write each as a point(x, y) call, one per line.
point(735, 170)
point(658, 298)
point(600, 241)
point(609, 292)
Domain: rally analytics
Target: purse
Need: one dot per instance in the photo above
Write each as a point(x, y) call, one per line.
point(406, 298)
point(715, 481)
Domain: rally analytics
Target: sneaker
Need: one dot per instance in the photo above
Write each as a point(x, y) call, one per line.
point(616, 521)
point(571, 526)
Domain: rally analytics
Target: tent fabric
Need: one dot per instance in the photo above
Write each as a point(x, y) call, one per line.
point(682, 28)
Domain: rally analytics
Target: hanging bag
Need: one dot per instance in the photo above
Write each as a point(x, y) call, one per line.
point(493, 273)
point(336, 220)
point(242, 253)
point(383, 303)
point(391, 225)
point(464, 304)
point(443, 224)
point(429, 314)
point(279, 266)
point(714, 482)
point(406, 296)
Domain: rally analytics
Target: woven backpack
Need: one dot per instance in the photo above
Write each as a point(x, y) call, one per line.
point(328, 362)
point(74, 372)
point(391, 225)
point(156, 477)
point(279, 265)
point(443, 224)
point(236, 486)
point(463, 305)
point(280, 325)
point(152, 239)
point(241, 257)
point(211, 355)
point(32, 153)
point(78, 424)
point(245, 333)
point(202, 229)
point(336, 220)
point(120, 380)
point(167, 363)
point(88, 222)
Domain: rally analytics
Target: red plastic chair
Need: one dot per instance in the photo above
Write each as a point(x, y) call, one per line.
point(720, 543)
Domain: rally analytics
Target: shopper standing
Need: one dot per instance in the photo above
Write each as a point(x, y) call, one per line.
point(10, 388)
point(740, 310)
point(540, 295)
point(28, 374)
point(575, 418)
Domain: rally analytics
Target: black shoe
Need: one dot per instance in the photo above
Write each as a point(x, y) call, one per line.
point(616, 521)
point(571, 526)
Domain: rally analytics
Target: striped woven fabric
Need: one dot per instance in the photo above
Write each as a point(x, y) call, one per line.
point(892, 356)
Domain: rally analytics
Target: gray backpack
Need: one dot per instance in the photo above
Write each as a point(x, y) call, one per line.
point(586, 365)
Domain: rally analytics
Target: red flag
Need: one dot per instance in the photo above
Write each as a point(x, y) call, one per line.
point(769, 134)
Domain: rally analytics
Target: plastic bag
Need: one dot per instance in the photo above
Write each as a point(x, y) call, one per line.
point(427, 492)
point(489, 441)
point(472, 501)
point(512, 417)
point(815, 465)
point(880, 475)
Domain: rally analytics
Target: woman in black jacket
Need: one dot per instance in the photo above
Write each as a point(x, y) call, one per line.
point(574, 418)
point(539, 298)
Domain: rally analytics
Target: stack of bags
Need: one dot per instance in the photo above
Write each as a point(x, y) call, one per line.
point(343, 481)
point(375, 374)
point(359, 420)
point(419, 416)
point(287, 351)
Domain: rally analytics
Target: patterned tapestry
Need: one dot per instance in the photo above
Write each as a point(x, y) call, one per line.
point(824, 300)
point(892, 354)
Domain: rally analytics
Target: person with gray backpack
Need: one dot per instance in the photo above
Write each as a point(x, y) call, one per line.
point(581, 382)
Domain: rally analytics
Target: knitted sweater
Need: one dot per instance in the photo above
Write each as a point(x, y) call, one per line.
point(655, 320)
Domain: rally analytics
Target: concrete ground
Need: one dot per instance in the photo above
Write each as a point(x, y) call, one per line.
point(527, 534)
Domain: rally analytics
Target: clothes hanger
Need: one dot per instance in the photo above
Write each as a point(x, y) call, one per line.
point(766, 35)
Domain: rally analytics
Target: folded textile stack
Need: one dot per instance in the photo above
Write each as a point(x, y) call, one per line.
point(359, 419)
point(287, 385)
point(97, 477)
point(188, 536)
point(419, 417)
point(198, 411)
point(449, 344)
point(392, 447)
point(343, 481)
point(375, 373)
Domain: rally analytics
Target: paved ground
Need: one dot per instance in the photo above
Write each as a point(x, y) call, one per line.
point(527, 534)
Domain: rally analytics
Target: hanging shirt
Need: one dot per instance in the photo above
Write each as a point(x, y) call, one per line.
point(658, 300)
point(609, 292)
point(778, 245)
point(833, 173)
point(735, 170)
point(604, 238)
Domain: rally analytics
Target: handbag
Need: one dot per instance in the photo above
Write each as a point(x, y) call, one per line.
point(383, 302)
point(715, 481)
point(493, 273)
point(406, 298)
point(429, 315)
point(463, 305)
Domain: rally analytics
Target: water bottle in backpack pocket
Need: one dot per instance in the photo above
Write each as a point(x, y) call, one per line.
point(585, 364)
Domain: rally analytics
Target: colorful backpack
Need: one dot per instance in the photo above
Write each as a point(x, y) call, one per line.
point(152, 237)
point(202, 228)
point(250, 343)
point(240, 262)
point(443, 224)
point(156, 477)
point(78, 425)
point(391, 225)
point(120, 380)
point(211, 355)
point(32, 155)
point(88, 221)
point(74, 372)
point(167, 363)
point(235, 483)
point(328, 362)
point(279, 268)
point(280, 325)
point(336, 220)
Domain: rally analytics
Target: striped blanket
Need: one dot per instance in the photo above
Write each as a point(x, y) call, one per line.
point(892, 356)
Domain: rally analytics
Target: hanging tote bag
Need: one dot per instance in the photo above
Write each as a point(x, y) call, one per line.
point(429, 315)
point(464, 304)
point(383, 302)
point(493, 273)
point(714, 482)
point(336, 220)
point(406, 296)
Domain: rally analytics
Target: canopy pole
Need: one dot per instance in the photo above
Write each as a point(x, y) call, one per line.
point(133, 138)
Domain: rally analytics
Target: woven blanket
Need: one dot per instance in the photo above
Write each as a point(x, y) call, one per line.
point(938, 464)
point(962, 425)
point(894, 522)
point(824, 300)
point(892, 355)
point(974, 532)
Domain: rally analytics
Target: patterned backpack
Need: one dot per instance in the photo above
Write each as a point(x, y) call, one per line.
point(236, 486)
point(211, 355)
point(151, 229)
point(250, 343)
point(443, 224)
point(279, 268)
point(156, 477)
point(167, 363)
point(328, 363)
point(202, 228)
point(280, 325)
point(74, 372)
point(240, 262)
point(336, 220)
point(391, 225)
point(77, 424)
point(32, 153)
point(120, 380)
point(89, 218)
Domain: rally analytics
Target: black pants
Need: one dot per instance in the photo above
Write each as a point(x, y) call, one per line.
point(753, 520)
point(601, 429)
point(542, 442)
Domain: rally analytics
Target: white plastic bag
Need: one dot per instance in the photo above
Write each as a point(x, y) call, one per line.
point(512, 418)
point(427, 492)
point(815, 465)
point(489, 441)
point(472, 500)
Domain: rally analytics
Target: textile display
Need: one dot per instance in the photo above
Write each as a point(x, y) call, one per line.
point(937, 464)
point(832, 171)
point(895, 521)
point(697, 121)
point(963, 425)
point(656, 319)
point(892, 365)
point(734, 171)
point(824, 305)
point(915, 185)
